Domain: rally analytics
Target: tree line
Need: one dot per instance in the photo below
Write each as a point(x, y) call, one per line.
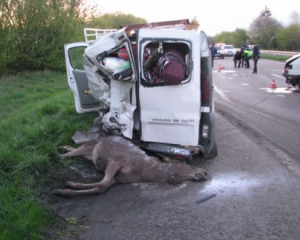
point(33, 32)
point(266, 31)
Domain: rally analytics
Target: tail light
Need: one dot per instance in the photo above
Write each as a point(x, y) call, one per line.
point(205, 131)
point(206, 81)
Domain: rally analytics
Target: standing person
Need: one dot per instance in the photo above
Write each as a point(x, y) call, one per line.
point(247, 55)
point(242, 55)
point(255, 56)
point(213, 51)
point(237, 59)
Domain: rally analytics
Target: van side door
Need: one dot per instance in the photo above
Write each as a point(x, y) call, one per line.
point(77, 79)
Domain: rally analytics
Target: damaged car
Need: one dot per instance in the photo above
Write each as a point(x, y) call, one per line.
point(151, 83)
point(291, 71)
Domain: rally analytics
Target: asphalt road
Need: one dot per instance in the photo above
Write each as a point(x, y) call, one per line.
point(254, 184)
point(271, 112)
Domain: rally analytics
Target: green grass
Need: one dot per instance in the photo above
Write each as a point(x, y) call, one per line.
point(37, 116)
point(275, 57)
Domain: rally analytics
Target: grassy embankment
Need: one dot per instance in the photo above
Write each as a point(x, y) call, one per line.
point(37, 116)
point(275, 57)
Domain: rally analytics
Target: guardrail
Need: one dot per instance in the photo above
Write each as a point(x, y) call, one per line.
point(278, 53)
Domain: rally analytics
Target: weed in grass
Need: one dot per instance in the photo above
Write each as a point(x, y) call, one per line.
point(71, 220)
point(32, 163)
point(49, 109)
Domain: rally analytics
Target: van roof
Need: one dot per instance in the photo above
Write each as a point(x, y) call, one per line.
point(182, 24)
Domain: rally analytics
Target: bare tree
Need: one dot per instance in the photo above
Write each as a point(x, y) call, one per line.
point(266, 12)
point(264, 30)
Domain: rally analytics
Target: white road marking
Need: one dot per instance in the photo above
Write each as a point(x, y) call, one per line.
point(275, 75)
point(222, 95)
point(224, 71)
point(276, 90)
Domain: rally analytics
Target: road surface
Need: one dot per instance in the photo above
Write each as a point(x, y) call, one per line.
point(253, 186)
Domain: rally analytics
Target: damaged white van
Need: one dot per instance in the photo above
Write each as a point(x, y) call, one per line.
point(151, 83)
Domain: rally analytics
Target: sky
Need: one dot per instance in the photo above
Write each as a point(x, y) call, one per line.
point(213, 16)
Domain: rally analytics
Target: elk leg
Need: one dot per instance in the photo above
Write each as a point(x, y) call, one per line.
point(71, 192)
point(83, 151)
point(92, 188)
point(68, 148)
point(109, 175)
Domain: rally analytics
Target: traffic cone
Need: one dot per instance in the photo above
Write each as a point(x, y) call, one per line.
point(273, 85)
point(220, 68)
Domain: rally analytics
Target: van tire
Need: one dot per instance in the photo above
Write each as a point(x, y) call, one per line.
point(213, 152)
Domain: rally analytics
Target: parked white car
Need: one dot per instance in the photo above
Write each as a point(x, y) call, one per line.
point(228, 50)
point(220, 52)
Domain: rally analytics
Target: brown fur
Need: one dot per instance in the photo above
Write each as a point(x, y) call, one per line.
point(124, 162)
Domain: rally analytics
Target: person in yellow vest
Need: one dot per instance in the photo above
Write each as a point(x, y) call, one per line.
point(248, 56)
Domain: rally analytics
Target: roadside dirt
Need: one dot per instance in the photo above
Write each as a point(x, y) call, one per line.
point(66, 209)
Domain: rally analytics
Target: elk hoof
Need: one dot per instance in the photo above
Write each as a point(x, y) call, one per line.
point(57, 192)
point(70, 184)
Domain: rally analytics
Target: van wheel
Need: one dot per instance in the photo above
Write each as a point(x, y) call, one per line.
point(213, 152)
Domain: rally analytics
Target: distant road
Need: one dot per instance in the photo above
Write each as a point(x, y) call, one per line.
point(248, 100)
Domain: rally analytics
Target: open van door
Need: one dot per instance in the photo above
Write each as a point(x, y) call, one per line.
point(77, 79)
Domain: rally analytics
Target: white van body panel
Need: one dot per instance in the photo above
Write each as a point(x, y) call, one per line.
point(172, 113)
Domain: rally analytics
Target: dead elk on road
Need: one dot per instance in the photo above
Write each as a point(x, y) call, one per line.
point(123, 162)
